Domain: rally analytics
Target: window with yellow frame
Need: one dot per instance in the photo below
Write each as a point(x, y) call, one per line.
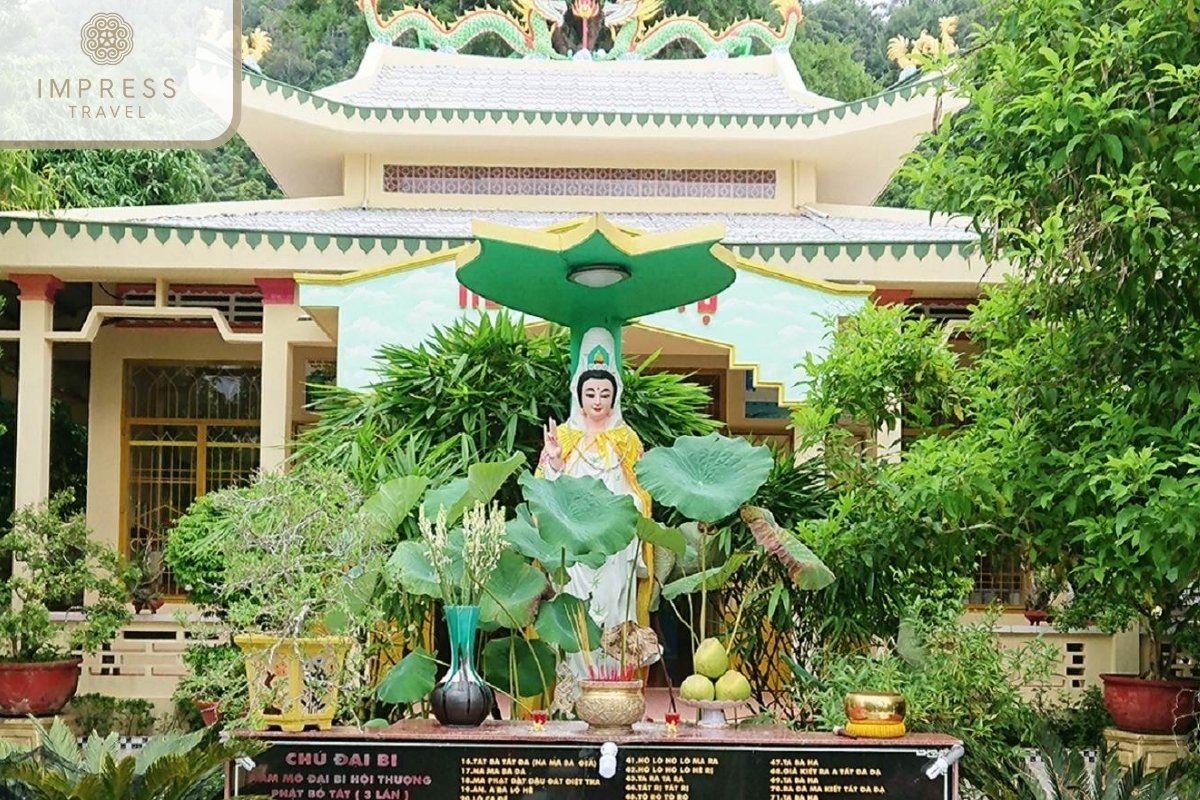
point(188, 429)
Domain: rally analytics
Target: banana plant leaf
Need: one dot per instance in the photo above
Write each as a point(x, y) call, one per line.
point(511, 595)
point(581, 516)
point(410, 680)
point(705, 477)
point(519, 667)
point(480, 486)
point(806, 570)
point(555, 624)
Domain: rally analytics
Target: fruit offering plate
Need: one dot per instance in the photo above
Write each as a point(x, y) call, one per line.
point(712, 712)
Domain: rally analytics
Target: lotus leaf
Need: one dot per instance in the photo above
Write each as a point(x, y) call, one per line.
point(804, 568)
point(410, 680)
point(705, 477)
point(581, 516)
point(510, 596)
point(555, 623)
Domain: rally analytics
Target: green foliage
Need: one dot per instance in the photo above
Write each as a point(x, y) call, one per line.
point(100, 715)
point(705, 478)
point(215, 673)
point(293, 544)
point(235, 173)
point(198, 570)
point(126, 177)
point(1080, 724)
point(954, 679)
point(61, 560)
point(1077, 155)
point(26, 185)
point(1065, 774)
point(411, 680)
point(479, 389)
point(68, 454)
point(580, 517)
point(173, 765)
point(880, 363)
point(830, 68)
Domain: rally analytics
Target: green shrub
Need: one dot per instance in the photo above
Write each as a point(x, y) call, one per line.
point(100, 715)
point(198, 571)
point(1080, 725)
point(954, 677)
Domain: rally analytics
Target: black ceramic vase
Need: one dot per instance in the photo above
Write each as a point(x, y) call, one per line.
point(461, 697)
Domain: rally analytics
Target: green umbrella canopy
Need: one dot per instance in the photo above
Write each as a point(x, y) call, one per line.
point(543, 273)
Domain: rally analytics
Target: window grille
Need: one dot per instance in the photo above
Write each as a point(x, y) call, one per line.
point(998, 579)
point(189, 430)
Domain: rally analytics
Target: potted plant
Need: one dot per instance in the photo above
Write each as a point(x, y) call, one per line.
point(1044, 586)
point(57, 564)
point(1127, 565)
point(142, 575)
point(215, 683)
point(301, 554)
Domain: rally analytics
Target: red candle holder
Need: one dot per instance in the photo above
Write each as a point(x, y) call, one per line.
point(672, 720)
point(540, 716)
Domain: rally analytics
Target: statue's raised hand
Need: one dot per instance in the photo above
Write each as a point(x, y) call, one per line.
point(551, 448)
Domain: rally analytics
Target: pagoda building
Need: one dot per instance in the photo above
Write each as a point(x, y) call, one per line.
point(185, 335)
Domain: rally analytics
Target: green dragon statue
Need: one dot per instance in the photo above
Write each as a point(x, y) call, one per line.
point(633, 39)
point(529, 33)
point(528, 36)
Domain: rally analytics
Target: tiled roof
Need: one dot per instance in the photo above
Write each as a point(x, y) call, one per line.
point(468, 86)
point(440, 223)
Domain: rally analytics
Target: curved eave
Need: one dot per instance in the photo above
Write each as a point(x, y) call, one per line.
point(303, 106)
point(91, 250)
point(321, 132)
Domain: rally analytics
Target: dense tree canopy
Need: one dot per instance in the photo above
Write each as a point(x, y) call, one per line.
point(1077, 159)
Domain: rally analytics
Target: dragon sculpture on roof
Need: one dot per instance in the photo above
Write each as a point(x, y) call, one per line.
point(634, 37)
point(530, 31)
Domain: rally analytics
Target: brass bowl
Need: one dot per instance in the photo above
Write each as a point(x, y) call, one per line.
point(874, 707)
point(611, 706)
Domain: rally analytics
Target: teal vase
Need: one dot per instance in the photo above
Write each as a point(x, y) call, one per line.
point(461, 697)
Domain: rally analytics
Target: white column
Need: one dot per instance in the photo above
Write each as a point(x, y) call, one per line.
point(33, 388)
point(280, 313)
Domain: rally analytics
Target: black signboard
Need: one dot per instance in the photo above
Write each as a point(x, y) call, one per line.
point(329, 769)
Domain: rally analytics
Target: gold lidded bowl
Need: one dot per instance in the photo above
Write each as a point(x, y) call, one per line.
point(874, 707)
point(611, 706)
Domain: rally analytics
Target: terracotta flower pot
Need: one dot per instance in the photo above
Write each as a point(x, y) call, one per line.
point(40, 688)
point(1036, 616)
point(209, 710)
point(1141, 705)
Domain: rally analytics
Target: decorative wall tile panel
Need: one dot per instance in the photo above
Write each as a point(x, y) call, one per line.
point(758, 184)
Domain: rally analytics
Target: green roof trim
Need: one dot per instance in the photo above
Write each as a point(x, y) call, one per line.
point(147, 233)
point(564, 118)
